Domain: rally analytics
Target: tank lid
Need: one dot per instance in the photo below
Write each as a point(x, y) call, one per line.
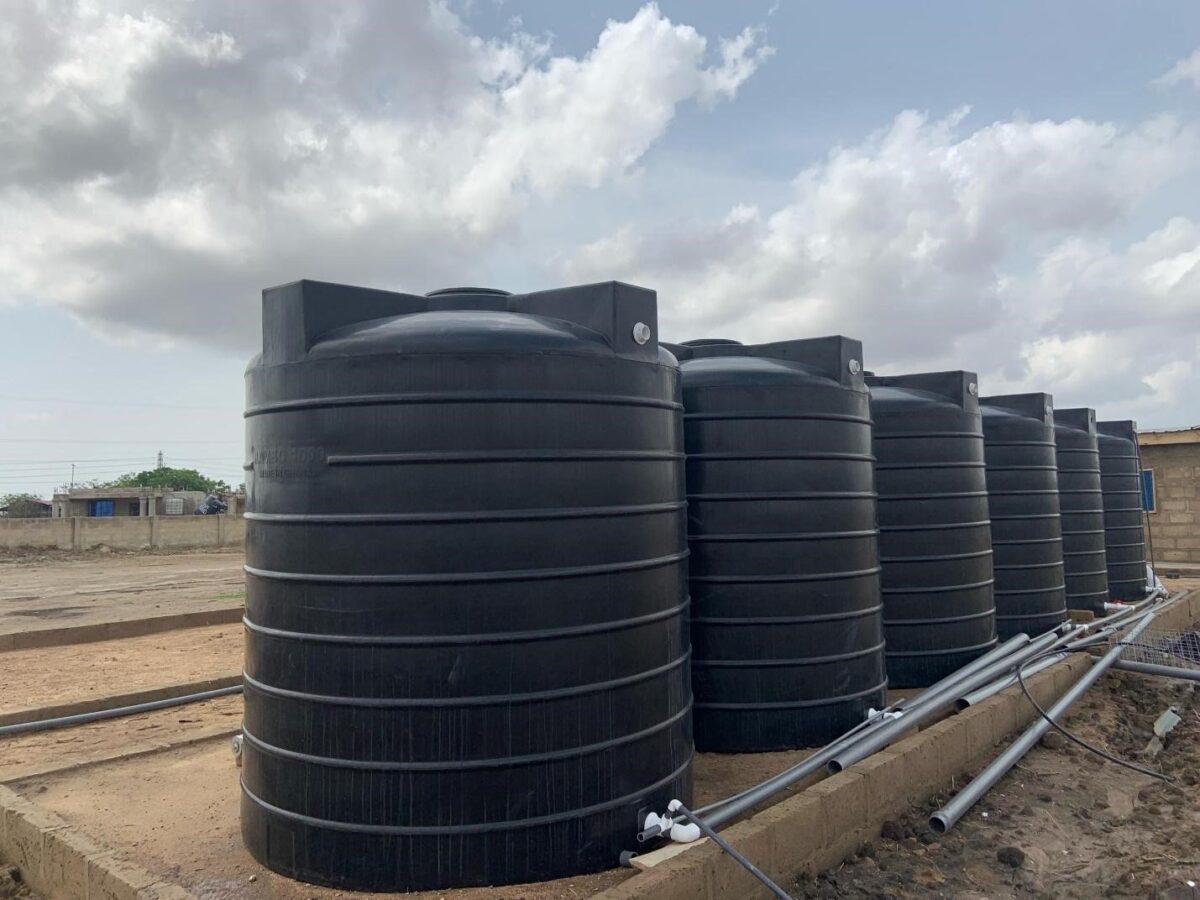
point(297, 316)
point(1038, 406)
point(712, 342)
point(468, 292)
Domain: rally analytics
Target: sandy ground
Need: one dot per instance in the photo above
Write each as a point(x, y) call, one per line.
point(177, 814)
point(24, 755)
point(55, 675)
point(50, 589)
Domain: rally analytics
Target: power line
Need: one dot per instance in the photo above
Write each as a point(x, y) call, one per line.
point(113, 459)
point(127, 443)
point(74, 401)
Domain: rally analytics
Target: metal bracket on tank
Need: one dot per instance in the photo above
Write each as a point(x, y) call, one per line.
point(235, 745)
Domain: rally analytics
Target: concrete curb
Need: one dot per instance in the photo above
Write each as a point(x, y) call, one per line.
point(56, 859)
point(822, 825)
point(130, 751)
point(95, 704)
point(122, 628)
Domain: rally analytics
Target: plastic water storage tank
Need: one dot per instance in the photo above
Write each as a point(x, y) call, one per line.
point(1082, 508)
point(1022, 483)
point(466, 606)
point(787, 632)
point(1121, 487)
point(935, 541)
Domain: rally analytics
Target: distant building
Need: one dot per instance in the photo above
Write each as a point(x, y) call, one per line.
point(134, 501)
point(27, 509)
point(1171, 492)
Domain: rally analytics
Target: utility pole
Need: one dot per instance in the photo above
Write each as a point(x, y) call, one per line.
point(160, 459)
point(72, 475)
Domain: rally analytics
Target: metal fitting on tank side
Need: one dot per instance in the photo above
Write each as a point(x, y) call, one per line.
point(235, 745)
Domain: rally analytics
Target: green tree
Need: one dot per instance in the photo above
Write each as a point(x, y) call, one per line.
point(22, 506)
point(168, 478)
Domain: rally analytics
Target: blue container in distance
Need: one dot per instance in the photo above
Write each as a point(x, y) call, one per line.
point(1121, 489)
point(1081, 504)
point(787, 634)
point(935, 541)
point(467, 657)
point(1022, 481)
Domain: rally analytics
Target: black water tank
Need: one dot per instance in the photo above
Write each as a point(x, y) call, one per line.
point(935, 542)
point(787, 635)
point(1082, 508)
point(1022, 482)
point(1121, 484)
point(466, 603)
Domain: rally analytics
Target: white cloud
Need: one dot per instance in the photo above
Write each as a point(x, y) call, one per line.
point(1184, 70)
point(161, 162)
point(947, 248)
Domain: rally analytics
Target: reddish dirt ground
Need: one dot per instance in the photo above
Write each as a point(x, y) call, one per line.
point(56, 675)
point(1065, 823)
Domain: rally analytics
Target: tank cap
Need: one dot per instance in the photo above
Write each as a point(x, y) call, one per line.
point(468, 291)
point(711, 342)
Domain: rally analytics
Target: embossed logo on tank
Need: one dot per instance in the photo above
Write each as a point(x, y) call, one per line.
point(288, 463)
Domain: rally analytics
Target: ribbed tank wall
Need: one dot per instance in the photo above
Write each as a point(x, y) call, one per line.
point(467, 658)
point(935, 542)
point(1027, 543)
point(787, 631)
point(1082, 507)
point(1121, 487)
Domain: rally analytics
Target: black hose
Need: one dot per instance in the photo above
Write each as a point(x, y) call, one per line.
point(732, 851)
point(1091, 748)
point(116, 711)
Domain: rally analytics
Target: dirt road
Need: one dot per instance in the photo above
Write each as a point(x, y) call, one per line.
point(53, 589)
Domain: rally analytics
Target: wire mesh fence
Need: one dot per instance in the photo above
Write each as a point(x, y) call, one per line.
point(1159, 646)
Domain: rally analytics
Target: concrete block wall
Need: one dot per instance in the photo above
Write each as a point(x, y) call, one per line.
point(1175, 525)
point(123, 533)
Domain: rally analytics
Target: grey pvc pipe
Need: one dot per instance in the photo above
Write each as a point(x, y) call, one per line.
point(878, 738)
point(116, 711)
point(719, 813)
point(978, 695)
point(1130, 665)
point(949, 815)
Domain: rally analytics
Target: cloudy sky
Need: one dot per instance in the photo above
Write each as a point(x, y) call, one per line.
point(1012, 188)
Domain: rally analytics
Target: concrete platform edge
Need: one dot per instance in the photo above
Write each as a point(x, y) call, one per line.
point(60, 861)
point(120, 628)
point(95, 704)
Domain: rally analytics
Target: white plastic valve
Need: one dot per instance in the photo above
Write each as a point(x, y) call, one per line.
point(682, 832)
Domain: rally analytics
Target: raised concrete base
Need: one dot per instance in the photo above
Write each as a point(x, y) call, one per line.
point(57, 860)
